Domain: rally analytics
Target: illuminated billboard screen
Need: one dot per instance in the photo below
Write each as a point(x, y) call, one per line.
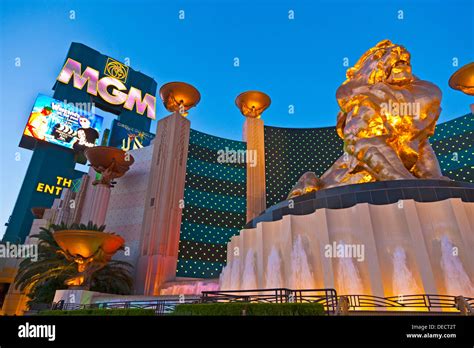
point(128, 138)
point(68, 125)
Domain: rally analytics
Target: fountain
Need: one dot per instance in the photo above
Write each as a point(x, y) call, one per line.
point(274, 277)
point(348, 276)
point(301, 275)
point(456, 280)
point(249, 278)
point(235, 275)
point(403, 282)
point(225, 277)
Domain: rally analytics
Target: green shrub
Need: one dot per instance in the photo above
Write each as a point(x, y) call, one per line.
point(251, 309)
point(100, 312)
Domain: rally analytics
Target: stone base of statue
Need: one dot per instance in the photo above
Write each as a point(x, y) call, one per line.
point(391, 238)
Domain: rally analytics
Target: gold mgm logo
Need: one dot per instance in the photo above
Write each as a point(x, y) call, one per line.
point(116, 70)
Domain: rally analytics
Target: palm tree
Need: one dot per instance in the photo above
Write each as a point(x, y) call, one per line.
point(41, 278)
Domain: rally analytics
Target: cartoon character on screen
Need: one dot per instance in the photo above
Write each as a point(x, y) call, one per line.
point(38, 123)
point(86, 136)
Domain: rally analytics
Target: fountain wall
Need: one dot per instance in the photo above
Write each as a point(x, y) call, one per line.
point(394, 249)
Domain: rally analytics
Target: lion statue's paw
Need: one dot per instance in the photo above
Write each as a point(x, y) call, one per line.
point(308, 182)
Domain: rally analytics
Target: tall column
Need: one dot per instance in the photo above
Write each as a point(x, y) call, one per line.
point(256, 193)
point(252, 104)
point(162, 219)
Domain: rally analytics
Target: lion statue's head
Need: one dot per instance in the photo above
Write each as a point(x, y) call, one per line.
point(385, 63)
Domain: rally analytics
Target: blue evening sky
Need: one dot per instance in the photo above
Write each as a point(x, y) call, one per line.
point(297, 62)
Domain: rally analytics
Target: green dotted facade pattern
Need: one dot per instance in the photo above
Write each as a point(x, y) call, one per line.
point(291, 152)
point(453, 143)
point(215, 205)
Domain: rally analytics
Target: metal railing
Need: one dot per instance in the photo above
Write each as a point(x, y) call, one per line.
point(326, 297)
point(333, 304)
point(420, 302)
point(161, 307)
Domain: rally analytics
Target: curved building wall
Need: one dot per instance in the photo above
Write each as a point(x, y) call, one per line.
point(215, 206)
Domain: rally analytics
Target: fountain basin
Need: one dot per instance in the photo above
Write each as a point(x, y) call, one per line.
point(400, 231)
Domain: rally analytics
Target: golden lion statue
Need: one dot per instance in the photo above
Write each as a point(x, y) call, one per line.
point(387, 115)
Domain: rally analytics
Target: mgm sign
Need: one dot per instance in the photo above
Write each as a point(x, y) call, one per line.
point(92, 77)
point(110, 88)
